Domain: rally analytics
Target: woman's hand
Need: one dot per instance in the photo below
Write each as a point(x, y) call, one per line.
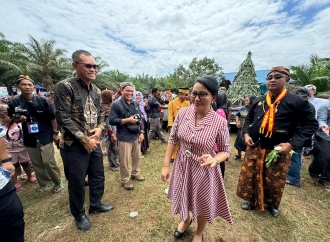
point(166, 174)
point(207, 160)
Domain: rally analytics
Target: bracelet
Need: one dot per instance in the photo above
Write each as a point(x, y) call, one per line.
point(217, 161)
point(7, 160)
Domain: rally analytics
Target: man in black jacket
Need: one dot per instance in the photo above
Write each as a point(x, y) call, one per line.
point(272, 121)
point(39, 131)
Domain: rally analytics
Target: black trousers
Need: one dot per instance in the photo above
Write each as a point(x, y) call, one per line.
point(11, 215)
point(320, 166)
point(78, 163)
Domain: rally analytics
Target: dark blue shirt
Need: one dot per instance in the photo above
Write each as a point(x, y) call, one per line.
point(119, 111)
point(153, 104)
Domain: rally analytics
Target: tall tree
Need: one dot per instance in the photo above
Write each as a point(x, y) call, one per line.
point(46, 62)
point(110, 79)
point(245, 82)
point(317, 72)
point(12, 61)
point(185, 77)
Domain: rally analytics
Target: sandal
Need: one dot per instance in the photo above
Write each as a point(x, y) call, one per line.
point(18, 186)
point(236, 157)
point(32, 180)
point(58, 188)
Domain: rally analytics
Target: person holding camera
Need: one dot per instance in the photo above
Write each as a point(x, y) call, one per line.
point(126, 115)
point(39, 132)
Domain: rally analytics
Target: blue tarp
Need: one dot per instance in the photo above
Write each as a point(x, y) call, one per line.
point(41, 88)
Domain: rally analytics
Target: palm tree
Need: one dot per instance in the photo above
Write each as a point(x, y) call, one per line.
point(47, 64)
point(12, 61)
point(316, 73)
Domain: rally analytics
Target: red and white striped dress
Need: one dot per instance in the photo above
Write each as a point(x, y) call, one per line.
point(193, 187)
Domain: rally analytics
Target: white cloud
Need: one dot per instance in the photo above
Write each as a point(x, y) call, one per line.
point(154, 37)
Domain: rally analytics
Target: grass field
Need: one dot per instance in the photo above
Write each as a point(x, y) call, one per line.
point(305, 211)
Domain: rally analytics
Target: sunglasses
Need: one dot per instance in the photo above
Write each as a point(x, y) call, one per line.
point(89, 66)
point(201, 95)
point(276, 77)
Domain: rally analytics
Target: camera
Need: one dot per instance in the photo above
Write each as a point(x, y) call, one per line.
point(137, 117)
point(20, 111)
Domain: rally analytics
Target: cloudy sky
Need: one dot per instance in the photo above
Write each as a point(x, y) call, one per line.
point(155, 36)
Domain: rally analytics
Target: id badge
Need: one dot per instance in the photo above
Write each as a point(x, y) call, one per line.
point(33, 128)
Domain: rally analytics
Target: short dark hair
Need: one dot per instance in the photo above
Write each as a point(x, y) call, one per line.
point(77, 53)
point(154, 90)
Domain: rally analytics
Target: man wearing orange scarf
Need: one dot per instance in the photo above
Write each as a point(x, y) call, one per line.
point(278, 118)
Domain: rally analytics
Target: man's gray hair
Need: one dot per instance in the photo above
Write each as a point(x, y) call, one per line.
point(77, 53)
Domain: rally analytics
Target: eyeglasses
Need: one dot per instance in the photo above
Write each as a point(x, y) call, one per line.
point(89, 66)
point(276, 77)
point(201, 95)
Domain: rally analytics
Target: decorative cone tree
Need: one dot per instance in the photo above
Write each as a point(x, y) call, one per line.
point(245, 82)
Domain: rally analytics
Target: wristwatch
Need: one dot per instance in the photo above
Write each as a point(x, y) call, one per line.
point(56, 132)
point(141, 132)
point(7, 159)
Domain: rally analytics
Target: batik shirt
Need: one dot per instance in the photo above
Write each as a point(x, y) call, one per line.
point(78, 110)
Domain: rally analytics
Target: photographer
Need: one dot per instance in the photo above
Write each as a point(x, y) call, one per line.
point(39, 132)
point(125, 114)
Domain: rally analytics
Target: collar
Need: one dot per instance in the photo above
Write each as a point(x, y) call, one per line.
point(84, 85)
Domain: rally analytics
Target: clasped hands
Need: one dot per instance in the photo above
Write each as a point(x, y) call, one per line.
point(93, 140)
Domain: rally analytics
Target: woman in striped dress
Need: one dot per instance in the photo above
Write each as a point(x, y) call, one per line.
point(196, 184)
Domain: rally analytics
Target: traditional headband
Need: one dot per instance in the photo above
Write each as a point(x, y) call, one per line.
point(22, 77)
point(280, 69)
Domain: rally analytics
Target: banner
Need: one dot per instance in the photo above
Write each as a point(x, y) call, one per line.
point(3, 92)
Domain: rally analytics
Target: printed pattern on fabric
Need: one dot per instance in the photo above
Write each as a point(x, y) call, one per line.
point(193, 187)
point(15, 142)
point(78, 110)
point(258, 184)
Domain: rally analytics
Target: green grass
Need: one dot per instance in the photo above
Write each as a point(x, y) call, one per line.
point(305, 211)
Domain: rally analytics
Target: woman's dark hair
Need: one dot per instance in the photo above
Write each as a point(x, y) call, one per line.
point(210, 83)
point(251, 98)
point(221, 101)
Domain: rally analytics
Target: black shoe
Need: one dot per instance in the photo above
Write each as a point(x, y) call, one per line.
point(236, 157)
point(274, 212)
point(248, 206)
point(178, 234)
point(83, 223)
point(292, 184)
point(103, 208)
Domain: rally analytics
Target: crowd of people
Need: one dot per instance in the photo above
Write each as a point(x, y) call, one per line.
point(86, 124)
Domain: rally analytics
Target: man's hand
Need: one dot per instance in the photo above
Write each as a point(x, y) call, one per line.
point(248, 140)
point(132, 120)
point(56, 138)
point(91, 145)
point(141, 137)
point(325, 130)
point(19, 118)
point(286, 148)
point(96, 133)
point(113, 138)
